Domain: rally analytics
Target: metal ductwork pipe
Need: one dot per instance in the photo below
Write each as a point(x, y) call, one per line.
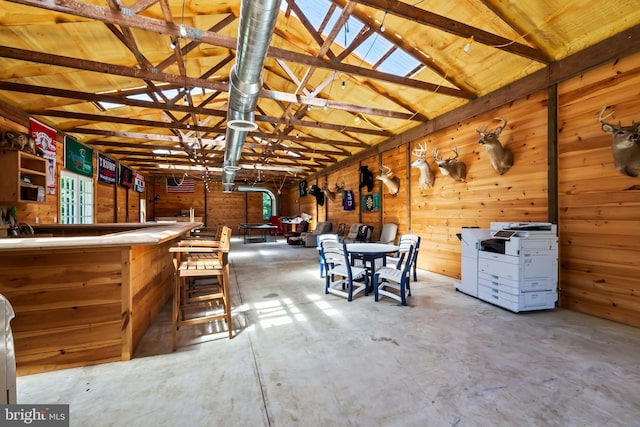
point(257, 24)
point(247, 188)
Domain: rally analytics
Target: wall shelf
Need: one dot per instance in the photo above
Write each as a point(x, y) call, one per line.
point(26, 177)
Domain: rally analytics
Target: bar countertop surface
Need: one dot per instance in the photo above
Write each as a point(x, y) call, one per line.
point(139, 234)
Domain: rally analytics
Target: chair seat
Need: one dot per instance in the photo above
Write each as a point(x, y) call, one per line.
point(389, 273)
point(341, 270)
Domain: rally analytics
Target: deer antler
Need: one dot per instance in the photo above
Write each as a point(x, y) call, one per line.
point(386, 171)
point(420, 151)
point(498, 130)
point(602, 118)
point(435, 154)
point(456, 151)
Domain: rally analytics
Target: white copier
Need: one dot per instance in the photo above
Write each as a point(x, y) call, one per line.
point(512, 265)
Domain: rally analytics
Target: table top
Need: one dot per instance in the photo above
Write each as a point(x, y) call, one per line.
point(371, 248)
point(258, 226)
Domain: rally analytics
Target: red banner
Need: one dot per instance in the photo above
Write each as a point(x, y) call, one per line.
point(45, 138)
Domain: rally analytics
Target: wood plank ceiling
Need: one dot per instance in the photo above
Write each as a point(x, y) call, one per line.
point(340, 76)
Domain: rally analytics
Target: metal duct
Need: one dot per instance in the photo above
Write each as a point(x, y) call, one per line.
point(247, 188)
point(257, 24)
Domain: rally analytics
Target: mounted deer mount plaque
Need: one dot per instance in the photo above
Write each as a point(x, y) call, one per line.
point(625, 148)
point(451, 166)
point(501, 157)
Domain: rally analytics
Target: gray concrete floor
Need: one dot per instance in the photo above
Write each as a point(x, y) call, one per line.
point(303, 358)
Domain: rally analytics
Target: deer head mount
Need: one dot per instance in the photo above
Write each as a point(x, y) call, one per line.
point(451, 166)
point(391, 182)
point(625, 148)
point(426, 175)
point(331, 195)
point(339, 188)
point(501, 158)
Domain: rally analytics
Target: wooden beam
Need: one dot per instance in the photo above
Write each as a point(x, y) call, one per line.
point(106, 15)
point(460, 29)
point(622, 44)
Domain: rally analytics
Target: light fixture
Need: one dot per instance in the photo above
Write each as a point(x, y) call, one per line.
point(382, 28)
point(467, 46)
point(344, 85)
point(183, 30)
point(356, 120)
point(173, 44)
point(242, 125)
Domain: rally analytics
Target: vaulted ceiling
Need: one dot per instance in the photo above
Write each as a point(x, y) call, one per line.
point(147, 82)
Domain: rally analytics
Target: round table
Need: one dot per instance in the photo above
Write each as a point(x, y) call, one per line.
point(370, 252)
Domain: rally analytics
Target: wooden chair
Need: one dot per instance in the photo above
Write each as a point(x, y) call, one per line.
point(193, 303)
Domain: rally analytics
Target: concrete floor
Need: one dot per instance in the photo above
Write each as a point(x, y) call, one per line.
point(303, 358)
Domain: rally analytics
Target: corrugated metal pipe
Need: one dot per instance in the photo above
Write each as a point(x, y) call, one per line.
point(257, 24)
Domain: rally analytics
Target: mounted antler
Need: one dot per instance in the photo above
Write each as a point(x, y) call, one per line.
point(328, 193)
point(625, 148)
point(451, 166)
point(391, 182)
point(426, 175)
point(501, 158)
point(339, 188)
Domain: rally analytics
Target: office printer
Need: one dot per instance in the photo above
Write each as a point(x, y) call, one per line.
point(513, 265)
point(510, 238)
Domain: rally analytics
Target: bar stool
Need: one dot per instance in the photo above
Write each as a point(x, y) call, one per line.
point(190, 300)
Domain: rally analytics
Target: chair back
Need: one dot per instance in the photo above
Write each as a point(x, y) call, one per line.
point(406, 261)
point(353, 231)
point(324, 237)
point(407, 241)
point(388, 233)
point(364, 233)
point(335, 254)
point(302, 227)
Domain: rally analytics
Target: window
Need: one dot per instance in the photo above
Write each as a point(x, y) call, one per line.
point(267, 205)
point(76, 199)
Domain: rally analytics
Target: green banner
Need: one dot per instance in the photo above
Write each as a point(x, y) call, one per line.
point(78, 158)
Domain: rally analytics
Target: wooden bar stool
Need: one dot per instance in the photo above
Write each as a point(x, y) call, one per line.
point(191, 300)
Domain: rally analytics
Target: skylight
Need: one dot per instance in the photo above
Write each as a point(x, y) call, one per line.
point(399, 63)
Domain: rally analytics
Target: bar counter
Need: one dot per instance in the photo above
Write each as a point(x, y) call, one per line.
point(83, 297)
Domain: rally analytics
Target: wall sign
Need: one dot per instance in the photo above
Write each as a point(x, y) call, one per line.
point(138, 182)
point(106, 169)
point(125, 177)
point(78, 158)
point(45, 138)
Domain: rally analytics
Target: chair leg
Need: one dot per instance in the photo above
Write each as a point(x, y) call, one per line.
point(375, 288)
point(175, 312)
point(403, 295)
point(227, 299)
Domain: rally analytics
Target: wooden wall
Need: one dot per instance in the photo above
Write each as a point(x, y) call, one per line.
point(520, 195)
point(170, 204)
point(83, 315)
point(112, 204)
point(77, 307)
point(599, 218)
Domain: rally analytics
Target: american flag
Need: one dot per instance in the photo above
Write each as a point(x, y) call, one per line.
point(180, 185)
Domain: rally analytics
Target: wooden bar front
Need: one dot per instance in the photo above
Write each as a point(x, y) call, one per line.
point(85, 300)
